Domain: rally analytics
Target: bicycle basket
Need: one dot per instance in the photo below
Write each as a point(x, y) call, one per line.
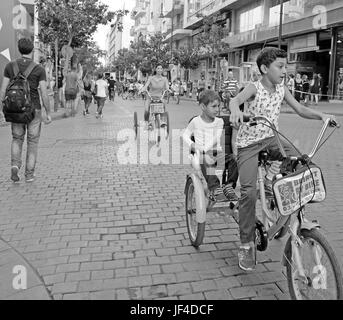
point(299, 188)
point(157, 108)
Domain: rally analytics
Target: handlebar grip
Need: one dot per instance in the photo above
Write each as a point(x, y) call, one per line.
point(333, 123)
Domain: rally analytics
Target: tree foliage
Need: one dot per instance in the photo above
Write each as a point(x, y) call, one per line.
point(73, 22)
point(187, 57)
point(89, 57)
point(144, 54)
point(210, 42)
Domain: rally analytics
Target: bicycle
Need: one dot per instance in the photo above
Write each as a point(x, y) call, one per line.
point(157, 113)
point(299, 183)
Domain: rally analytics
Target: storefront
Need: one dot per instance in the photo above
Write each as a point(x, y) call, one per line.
point(337, 81)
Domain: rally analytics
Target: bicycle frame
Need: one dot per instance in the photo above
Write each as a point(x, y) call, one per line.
point(301, 222)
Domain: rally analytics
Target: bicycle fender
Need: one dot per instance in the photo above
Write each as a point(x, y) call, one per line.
point(309, 225)
point(200, 199)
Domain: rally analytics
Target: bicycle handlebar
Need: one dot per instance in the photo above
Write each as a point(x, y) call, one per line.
point(164, 92)
point(328, 123)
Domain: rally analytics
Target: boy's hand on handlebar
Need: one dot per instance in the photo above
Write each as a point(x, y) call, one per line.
point(236, 117)
point(329, 116)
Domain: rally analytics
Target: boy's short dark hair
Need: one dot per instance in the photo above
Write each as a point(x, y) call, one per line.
point(208, 96)
point(25, 46)
point(268, 56)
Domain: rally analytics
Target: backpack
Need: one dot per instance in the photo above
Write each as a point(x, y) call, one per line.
point(18, 107)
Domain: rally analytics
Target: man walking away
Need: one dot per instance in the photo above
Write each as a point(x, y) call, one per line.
point(111, 85)
point(71, 85)
point(101, 89)
point(34, 76)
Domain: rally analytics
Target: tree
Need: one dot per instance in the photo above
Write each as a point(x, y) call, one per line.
point(89, 57)
point(144, 54)
point(73, 22)
point(187, 57)
point(210, 42)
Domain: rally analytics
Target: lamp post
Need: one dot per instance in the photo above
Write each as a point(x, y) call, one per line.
point(280, 24)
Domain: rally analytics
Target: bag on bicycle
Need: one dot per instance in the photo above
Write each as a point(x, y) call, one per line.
point(18, 107)
point(294, 190)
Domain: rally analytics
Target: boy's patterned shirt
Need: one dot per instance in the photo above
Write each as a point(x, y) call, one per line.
point(265, 104)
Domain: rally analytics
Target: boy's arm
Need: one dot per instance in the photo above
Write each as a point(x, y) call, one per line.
point(303, 111)
point(187, 135)
point(236, 117)
point(233, 142)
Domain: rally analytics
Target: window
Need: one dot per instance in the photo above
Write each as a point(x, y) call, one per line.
point(274, 14)
point(249, 19)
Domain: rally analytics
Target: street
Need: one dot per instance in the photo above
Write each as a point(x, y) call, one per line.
point(95, 228)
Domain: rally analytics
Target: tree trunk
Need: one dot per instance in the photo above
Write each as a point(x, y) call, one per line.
point(56, 100)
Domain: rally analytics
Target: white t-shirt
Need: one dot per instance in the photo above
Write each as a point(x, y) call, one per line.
point(206, 135)
point(102, 85)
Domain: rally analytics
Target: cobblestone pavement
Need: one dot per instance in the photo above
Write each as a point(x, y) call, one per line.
point(96, 229)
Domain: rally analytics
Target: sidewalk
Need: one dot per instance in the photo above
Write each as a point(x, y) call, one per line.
point(9, 259)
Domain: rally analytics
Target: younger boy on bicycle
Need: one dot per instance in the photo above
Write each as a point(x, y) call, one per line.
point(268, 94)
point(207, 130)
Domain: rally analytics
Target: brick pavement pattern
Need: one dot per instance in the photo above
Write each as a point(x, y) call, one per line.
point(95, 229)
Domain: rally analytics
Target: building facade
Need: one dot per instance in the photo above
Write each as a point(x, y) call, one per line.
point(312, 35)
point(114, 42)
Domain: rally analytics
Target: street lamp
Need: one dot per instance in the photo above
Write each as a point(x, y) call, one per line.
point(280, 24)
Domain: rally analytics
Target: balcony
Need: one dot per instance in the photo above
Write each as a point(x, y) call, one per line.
point(141, 27)
point(178, 33)
point(138, 11)
point(196, 14)
point(178, 9)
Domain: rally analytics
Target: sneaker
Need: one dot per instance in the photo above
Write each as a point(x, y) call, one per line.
point(247, 258)
point(30, 178)
point(218, 195)
point(230, 193)
point(84, 112)
point(14, 174)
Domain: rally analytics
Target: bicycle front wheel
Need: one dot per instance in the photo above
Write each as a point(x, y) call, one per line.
point(196, 231)
point(322, 269)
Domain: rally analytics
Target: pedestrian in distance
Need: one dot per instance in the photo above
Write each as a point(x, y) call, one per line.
point(306, 89)
point(291, 84)
point(315, 89)
point(268, 95)
point(101, 94)
point(29, 121)
point(87, 93)
point(298, 87)
point(111, 85)
point(71, 88)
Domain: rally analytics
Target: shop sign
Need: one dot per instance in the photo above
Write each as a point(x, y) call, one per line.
point(304, 43)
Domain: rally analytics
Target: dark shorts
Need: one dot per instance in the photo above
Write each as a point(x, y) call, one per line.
point(70, 94)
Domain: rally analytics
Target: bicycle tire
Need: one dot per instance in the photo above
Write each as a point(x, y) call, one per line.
point(158, 128)
point(168, 125)
point(326, 247)
point(195, 236)
point(135, 124)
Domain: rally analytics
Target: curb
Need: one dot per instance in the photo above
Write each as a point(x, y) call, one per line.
point(11, 259)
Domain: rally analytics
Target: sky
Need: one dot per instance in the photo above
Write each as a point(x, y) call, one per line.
point(100, 35)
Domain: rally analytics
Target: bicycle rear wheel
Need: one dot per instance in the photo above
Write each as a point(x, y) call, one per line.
point(322, 269)
point(158, 128)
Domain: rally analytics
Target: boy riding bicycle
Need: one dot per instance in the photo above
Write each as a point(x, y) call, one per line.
point(268, 94)
point(207, 129)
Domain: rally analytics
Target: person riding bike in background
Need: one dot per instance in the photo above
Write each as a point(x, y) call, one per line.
point(268, 95)
point(156, 84)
